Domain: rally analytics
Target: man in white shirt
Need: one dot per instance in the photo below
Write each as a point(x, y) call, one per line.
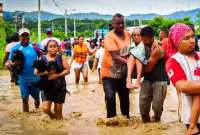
point(98, 59)
point(49, 34)
point(15, 40)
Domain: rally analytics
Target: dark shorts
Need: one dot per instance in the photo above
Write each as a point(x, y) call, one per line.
point(55, 96)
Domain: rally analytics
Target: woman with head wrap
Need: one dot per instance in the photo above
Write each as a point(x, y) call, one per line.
point(183, 68)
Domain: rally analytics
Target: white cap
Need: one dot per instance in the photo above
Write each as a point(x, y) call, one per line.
point(23, 30)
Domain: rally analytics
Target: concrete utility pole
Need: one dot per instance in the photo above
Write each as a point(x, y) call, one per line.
point(66, 23)
point(23, 21)
point(16, 20)
point(39, 22)
point(52, 26)
point(74, 24)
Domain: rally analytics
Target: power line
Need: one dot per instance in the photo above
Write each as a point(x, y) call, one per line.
point(58, 5)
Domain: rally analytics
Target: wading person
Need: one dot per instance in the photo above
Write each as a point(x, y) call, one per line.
point(15, 41)
point(98, 59)
point(154, 85)
point(114, 67)
point(56, 91)
point(79, 55)
point(26, 76)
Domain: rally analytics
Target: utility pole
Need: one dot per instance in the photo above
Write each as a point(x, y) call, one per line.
point(74, 27)
point(39, 23)
point(66, 23)
point(23, 21)
point(15, 21)
point(52, 26)
point(74, 24)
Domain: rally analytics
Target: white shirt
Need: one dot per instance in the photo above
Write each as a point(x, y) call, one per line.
point(46, 40)
point(182, 66)
point(99, 55)
point(10, 46)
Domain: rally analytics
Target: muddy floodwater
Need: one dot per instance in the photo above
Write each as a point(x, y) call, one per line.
point(81, 111)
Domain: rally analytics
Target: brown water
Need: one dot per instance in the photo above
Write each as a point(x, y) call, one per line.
point(81, 110)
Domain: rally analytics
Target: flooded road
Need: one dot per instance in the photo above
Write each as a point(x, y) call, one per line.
point(81, 110)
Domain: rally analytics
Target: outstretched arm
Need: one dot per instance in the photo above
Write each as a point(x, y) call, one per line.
point(92, 51)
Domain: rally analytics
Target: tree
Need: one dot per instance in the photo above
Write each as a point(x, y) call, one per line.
point(198, 23)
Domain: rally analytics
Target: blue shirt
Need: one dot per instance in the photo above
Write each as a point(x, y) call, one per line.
point(30, 56)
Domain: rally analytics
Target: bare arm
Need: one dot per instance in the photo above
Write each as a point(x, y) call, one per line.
point(152, 61)
point(92, 51)
point(6, 57)
point(118, 58)
point(66, 67)
point(190, 87)
point(71, 60)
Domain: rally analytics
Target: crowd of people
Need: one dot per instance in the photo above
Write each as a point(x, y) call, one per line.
point(118, 58)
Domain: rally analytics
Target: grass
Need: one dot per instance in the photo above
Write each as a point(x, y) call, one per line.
point(2, 52)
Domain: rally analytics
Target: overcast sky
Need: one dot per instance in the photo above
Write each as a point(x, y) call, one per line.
point(125, 7)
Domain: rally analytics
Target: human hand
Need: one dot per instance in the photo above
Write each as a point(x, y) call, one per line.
point(44, 73)
point(93, 69)
point(53, 77)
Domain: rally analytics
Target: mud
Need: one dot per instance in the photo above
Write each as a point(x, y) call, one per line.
point(84, 113)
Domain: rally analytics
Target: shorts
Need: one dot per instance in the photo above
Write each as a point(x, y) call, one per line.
point(55, 96)
point(81, 66)
point(28, 88)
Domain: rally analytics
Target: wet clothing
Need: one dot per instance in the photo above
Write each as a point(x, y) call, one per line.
point(30, 55)
point(56, 90)
point(111, 86)
point(54, 96)
point(155, 93)
point(81, 66)
point(179, 67)
point(80, 53)
point(110, 67)
point(158, 73)
point(153, 89)
point(138, 52)
point(114, 74)
point(28, 88)
point(27, 77)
